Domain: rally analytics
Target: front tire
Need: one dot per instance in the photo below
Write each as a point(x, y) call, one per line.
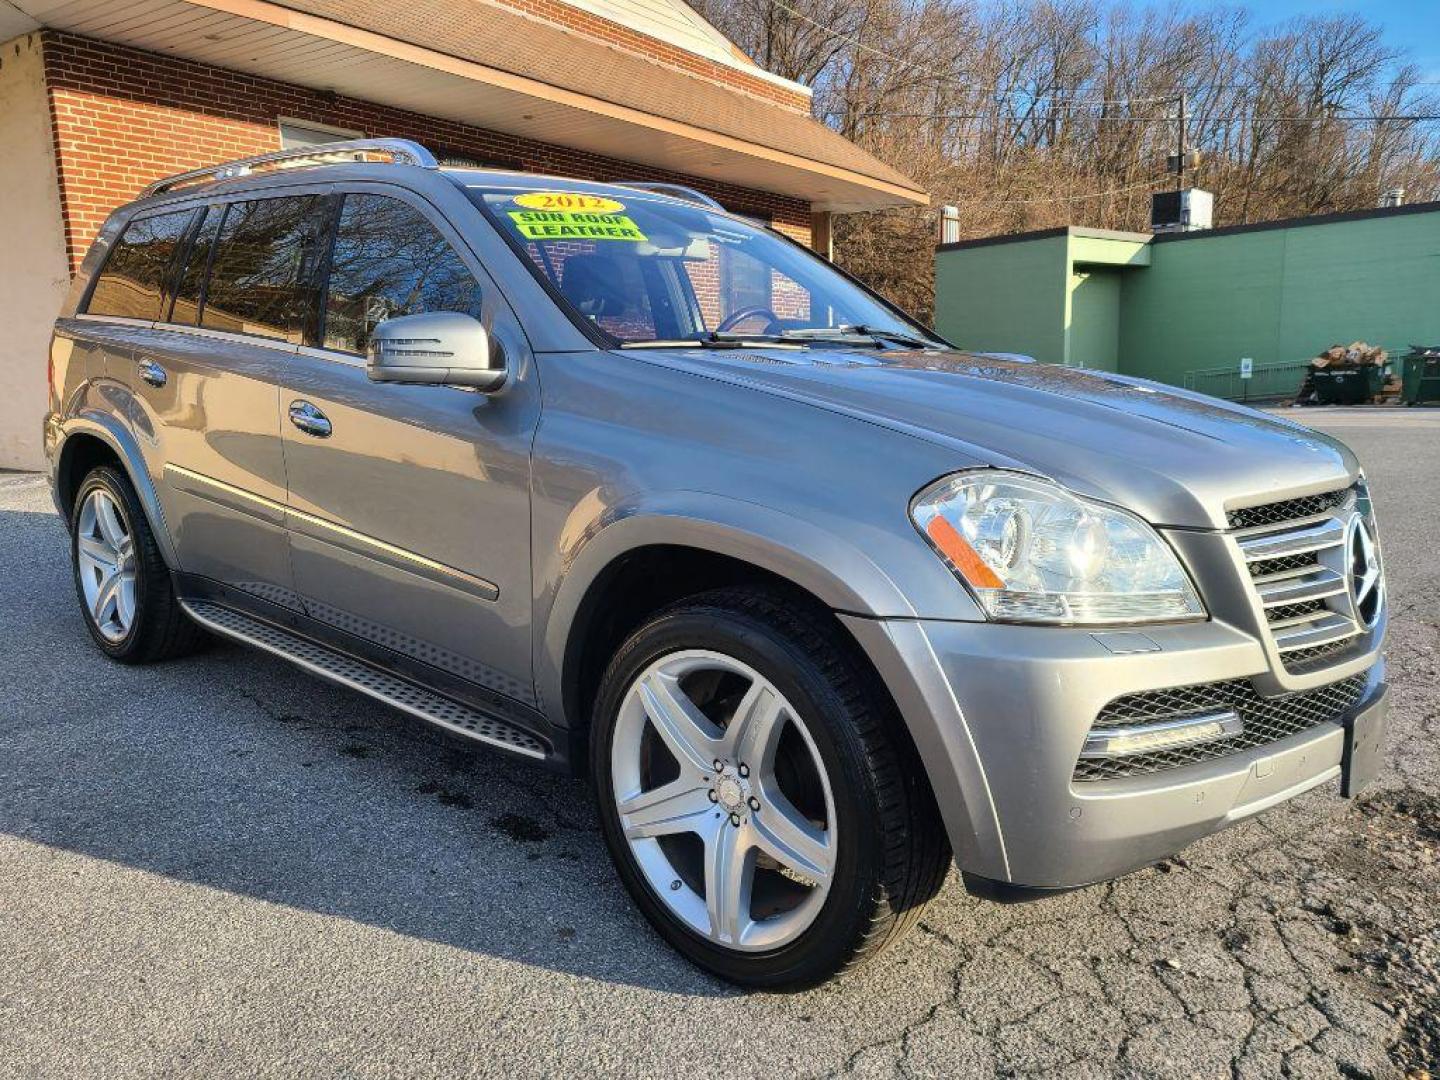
point(758, 795)
point(122, 582)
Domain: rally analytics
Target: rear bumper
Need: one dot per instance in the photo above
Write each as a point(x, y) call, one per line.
point(51, 437)
point(1000, 714)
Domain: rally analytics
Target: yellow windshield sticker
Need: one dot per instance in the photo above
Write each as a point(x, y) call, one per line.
point(574, 225)
point(568, 200)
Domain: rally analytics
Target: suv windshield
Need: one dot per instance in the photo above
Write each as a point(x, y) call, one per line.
point(653, 271)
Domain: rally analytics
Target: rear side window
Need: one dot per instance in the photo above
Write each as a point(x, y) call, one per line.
point(188, 291)
point(261, 267)
point(133, 279)
point(389, 261)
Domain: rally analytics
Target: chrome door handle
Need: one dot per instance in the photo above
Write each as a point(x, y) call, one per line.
point(152, 373)
point(309, 419)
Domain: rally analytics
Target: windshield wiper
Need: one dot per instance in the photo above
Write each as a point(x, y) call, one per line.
point(897, 336)
point(721, 339)
point(857, 334)
point(716, 340)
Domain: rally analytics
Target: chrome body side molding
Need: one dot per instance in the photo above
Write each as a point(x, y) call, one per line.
point(329, 532)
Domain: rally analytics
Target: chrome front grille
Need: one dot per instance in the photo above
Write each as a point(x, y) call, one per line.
point(1288, 510)
point(1284, 562)
point(1295, 552)
point(1266, 720)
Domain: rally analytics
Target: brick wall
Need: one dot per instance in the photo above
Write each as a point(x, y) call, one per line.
point(641, 44)
point(123, 117)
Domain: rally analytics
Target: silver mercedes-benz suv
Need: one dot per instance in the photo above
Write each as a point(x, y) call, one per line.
point(607, 477)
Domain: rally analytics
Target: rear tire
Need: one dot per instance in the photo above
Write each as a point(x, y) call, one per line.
point(864, 873)
point(125, 590)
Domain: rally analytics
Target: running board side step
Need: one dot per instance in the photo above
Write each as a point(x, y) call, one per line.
point(338, 667)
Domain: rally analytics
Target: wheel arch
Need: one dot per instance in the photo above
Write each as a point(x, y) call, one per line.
point(96, 439)
point(642, 561)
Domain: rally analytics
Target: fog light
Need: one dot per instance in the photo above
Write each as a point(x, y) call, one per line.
point(1149, 738)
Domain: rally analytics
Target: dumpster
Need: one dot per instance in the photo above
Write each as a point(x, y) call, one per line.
point(1346, 375)
point(1420, 379)
point(1347, 385)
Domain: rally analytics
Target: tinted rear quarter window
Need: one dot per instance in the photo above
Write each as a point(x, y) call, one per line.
point(186, 309)
point(132, 281)
point(390, 261)
point(261, 266)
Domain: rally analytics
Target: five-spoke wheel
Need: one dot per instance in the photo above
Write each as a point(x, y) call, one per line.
point(757, 792)
point(105, 551)
point(121, 579)
point(724, 799)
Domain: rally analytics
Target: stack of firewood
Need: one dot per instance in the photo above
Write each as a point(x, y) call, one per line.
point(1356, 354)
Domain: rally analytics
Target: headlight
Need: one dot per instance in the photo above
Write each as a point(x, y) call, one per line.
point(1032, 552)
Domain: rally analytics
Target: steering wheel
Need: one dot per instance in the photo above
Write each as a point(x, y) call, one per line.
point(736, 318)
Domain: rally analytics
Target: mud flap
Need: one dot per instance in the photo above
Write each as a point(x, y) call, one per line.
point(1364, 747)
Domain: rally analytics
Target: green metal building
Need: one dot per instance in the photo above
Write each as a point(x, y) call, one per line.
point(1186, 308)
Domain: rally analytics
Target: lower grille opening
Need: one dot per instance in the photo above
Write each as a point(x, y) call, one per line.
point(1300, 661)
point(1266, 720)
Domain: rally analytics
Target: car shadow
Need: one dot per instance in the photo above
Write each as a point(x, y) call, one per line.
point(236, 771)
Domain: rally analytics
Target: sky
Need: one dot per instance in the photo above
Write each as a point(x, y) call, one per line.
point(1411, 24)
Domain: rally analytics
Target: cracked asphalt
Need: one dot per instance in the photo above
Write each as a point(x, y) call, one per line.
point(224, 867)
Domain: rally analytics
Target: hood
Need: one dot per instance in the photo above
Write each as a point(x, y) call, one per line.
point(1174, 457)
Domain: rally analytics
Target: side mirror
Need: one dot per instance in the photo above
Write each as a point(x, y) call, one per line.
point(435, 348)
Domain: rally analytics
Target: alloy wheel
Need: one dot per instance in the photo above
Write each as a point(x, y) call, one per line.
point(105, 552)
point(724, 800)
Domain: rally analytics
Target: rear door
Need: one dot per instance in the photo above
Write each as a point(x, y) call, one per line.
point(127, 296)
point(206, 379)
point(410, 504)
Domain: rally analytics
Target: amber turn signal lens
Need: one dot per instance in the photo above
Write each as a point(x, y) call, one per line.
point(961, 555)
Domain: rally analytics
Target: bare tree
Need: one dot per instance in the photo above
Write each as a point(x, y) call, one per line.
point(1034, 113)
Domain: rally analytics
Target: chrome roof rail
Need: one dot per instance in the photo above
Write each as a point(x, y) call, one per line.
point(675, 191)
point(393, 151)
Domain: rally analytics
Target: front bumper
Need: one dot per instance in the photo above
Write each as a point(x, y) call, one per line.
point(1000, 714)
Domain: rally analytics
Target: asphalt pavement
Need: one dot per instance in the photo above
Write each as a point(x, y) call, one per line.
point(224, 867)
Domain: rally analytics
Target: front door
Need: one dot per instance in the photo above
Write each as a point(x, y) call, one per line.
point(409, 505)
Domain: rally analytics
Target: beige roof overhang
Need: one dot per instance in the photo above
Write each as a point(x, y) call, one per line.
point(489, 66)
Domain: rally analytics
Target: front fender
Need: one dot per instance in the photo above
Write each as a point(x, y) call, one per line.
point(871, 605)
point(819, 561)
point(109, 430)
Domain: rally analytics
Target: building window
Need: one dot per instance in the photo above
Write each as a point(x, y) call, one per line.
point(295, 135)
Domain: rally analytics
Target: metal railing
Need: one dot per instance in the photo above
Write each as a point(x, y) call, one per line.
point(1267, 381)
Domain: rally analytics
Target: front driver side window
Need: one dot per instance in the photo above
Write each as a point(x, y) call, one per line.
point(389, 261)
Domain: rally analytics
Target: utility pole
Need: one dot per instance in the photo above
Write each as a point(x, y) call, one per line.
point(1180, 148)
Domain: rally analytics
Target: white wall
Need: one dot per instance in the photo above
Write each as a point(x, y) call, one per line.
point(34, 274)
